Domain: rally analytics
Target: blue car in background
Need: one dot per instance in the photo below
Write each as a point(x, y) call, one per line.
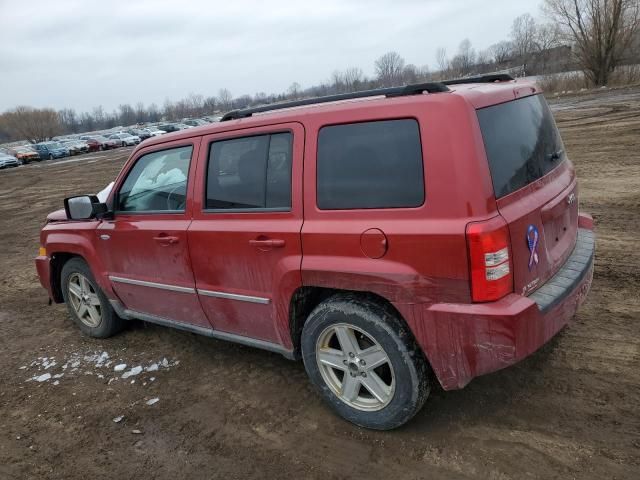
point(51, 150)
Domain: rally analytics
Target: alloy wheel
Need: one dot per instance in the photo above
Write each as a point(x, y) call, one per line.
point(84, 300)
point(355, 367)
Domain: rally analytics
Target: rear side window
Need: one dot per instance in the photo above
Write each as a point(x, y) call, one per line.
point(250, 173)
point(521, 141)
point(370, 165)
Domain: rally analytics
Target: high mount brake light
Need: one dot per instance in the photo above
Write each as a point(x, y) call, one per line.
point(489, 259)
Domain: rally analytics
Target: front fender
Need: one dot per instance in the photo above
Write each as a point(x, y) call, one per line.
point(81, 241)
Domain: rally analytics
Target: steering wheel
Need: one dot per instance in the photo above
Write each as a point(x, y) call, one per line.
point(180, 205)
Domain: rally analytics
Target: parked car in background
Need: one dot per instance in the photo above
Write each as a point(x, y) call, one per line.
point(25, 154)
point(155, 132)
point(173, 127)
point(195, 122)
point(51, 150)
point(93, 145)
point(7, 161)
point(142, 133)
point(126, 139)
point(75, 147)
point(105, 143)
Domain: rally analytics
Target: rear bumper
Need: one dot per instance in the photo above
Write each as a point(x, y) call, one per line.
point(463, 341)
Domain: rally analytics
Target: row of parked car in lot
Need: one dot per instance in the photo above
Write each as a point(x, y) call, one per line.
point(78, 144)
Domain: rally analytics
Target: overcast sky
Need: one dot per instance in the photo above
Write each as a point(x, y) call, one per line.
point(84, 53)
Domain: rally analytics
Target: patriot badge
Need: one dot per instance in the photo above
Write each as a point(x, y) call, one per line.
point(532, 240)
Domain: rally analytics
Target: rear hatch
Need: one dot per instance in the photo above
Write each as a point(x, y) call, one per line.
point(534, 185)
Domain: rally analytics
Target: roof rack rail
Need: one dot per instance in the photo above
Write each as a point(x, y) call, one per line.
point(487, 78)
point(414, 89)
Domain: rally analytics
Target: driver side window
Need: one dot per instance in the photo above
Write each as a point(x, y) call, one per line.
point(157, 182)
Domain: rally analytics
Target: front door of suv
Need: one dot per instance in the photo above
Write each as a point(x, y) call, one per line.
point(144, 247)
point(245, 235)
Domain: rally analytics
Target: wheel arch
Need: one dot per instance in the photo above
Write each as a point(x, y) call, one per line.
point(306, 298)
point(58, 261)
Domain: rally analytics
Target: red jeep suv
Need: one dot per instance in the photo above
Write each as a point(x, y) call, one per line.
point(386, 238)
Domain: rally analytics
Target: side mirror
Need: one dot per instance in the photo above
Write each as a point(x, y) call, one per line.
point(84, 207)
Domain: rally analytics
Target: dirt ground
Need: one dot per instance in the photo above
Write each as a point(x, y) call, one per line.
point(572, 410)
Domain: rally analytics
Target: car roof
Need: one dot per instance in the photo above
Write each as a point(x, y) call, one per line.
point(477, 95)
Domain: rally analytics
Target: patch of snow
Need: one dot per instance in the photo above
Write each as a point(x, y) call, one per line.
point(118, 419)
point(152, 368)
point(132, 372)
point(42, 378)
point(120, 367)
point(57, 382)
point(152, 401)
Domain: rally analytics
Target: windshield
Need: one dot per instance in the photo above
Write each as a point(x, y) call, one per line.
point(521, 141)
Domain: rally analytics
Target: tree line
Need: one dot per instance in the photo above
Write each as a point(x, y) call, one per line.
point(594, 36)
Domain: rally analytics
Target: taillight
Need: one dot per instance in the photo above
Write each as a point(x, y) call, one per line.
point(489, 259)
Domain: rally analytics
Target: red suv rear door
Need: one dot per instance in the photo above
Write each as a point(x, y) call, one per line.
point(245, 236)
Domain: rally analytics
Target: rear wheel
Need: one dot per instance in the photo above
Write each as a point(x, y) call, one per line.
point(88, 306)
point(364, 362)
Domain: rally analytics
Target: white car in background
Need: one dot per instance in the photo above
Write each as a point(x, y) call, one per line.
point(155, 132)
point(125, 139)
point(7, 161)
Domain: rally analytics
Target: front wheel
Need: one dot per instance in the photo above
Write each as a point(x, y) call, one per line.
point(50, 156)
point(364, 362)
point(88, 306)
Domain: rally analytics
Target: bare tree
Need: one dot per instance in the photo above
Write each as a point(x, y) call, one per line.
point(209, 105)
point(35, 125)
point(443, 60)
point(225, 98)
point(465, 59)
point(353, 78)
point(68, 120)
point(389, 69)
point(410, 73)
point(501, 52)
point(127, 114)
point(523, 36)
point(483, 60)
point(424, 73)
point(294, 91)
point(601, 31)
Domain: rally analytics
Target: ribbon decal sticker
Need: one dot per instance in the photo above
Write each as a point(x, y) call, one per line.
point(532, 240)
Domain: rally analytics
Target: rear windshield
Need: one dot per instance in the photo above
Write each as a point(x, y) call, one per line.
point(521, 141)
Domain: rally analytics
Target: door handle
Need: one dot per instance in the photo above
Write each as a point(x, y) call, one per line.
point(166, 240)
point(267, 243)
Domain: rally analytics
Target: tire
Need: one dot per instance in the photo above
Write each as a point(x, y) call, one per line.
point(374, 327)
point(50, 156)
point(124, 144)
point(108, 323)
